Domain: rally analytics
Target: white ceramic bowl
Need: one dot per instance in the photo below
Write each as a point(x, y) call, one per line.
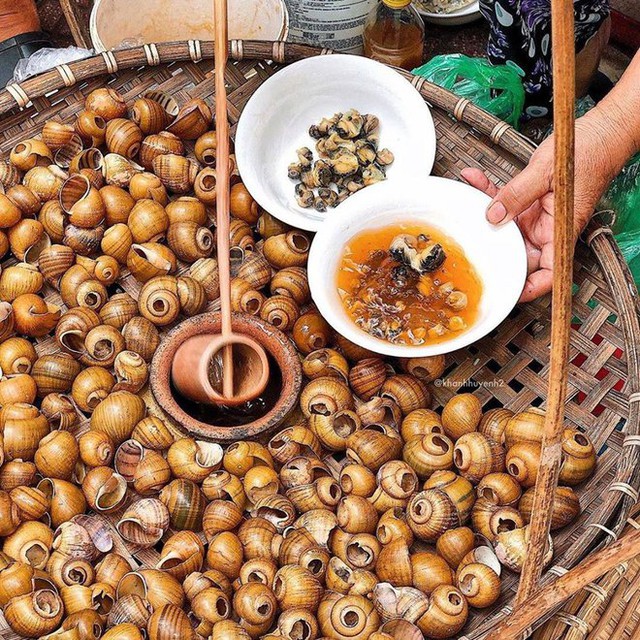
point(465, 15)
point(497, 253)
point(276, 121)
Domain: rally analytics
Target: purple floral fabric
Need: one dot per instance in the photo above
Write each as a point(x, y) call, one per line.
point(521, 35)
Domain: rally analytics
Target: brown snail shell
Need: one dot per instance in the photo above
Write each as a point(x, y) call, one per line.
point(66, 571)
point(148, 221)
point(479, 584)
point(91, 127)
point(311, 332)
point(206, 148)
point(56, 134)
point(4, 244)
point(269, 226)
point(566, 507)
point(407, 391)
point(476, 456)
point(23, 198)
point(419, 423)
point(81, 202)
point(243, 455)
point(132, 372)
point(292, 281)
point(123, 137)
point(57, 455)
point(30, 543)
point(141, 337)
point(367, 377)
point(120, 309)
point(289, 249)
point(432, 452)
point(191, 295)
point(205, 271)
point(52, 218)
point(357, 480)
point(255, 270)
point(325, 362)
point(160, 144)
point(325, 396)
point(177, 173)
point(147, 186)
point(256, 536)
point(79, 289)
point(154, 112)
point(334, 430)
point(73, 327)
point(144, 523)
point(182, 554)
point(185, 502)
point(523, 462)
point(118, 170)
point(392, 525)
point(193, 459)
point(20, 279)
point(222, 485)
point(118, 414)
point(152, 433)
point(404, 602)
point(84, 242)
point(67, 500)
point(7, 320)
point(242, 205)
point(91, 159)
point(30, 153)
point(430, 513)
point(494, 422)
point(280, 311)
point(54, 261)
point(511, 548)
point(102, 345)
point(578, 457)
point(45, 182)
point(245, 298)
point(352, 351)
point(427, 369)
point(28, 239)
point(192, 121)
point(489, 519)
point(117, 242)
point(151, 474)
point(500, 489)
point(158, 300)
point(446, 615)
point(225, 554)
point(10, 176)
point(255, 604)
point(374, 445)
point(300, 622)
point(19, 387)
point(205, 186)
point(190, 241)
point(23, 426)
point(90, 387)
point(123, 631)
point(453, 545)
point(351, 616)
point(35, 614)
point(380, 411)
point(104, 489)
point(10, 213)
point(55, 373)
point(461, 415)
point(300, 470)
point(187, 209)
point(96, 449)
point(297, 587)
point(111, 569)
point(241, 236)
point(107, 103)
point(16, 473)
point(130, 609)
point(526, 426)
point(277, 509)
point(10, 513)
point(324, 493)
point(17, 355)
point(293, 442)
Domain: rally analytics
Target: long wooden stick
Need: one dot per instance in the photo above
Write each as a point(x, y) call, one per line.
point(562, 21)
point(569, 584)
point(222, 190)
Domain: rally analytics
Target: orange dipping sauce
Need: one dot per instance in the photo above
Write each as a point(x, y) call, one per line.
point(393, 302)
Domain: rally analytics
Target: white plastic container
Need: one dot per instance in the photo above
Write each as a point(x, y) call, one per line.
point(334, 24)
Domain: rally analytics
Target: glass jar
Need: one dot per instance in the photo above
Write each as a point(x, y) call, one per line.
point(394, 34)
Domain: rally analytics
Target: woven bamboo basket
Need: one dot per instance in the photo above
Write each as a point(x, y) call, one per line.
point(510, 366)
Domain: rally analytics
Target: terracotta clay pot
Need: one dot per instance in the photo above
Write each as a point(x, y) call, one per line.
point(283, 357)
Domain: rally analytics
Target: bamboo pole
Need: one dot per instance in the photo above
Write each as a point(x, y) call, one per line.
point(562, 22)
point(222, 190)
point(555, 593)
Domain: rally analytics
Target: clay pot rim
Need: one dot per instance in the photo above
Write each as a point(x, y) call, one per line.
point(276, 343)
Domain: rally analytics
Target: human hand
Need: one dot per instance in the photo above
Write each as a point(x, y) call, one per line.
point(529, 199)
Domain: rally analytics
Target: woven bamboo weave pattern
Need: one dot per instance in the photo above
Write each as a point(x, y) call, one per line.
point(508, 368)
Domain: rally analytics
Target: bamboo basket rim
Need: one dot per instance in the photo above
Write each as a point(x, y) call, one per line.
point(608, 520)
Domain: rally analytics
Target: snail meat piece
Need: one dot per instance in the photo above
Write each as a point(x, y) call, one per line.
point(344, 162)
point(429, 259)
point(403, 248)
point(294, 171)
point(304, 196)
point(305, 157)
point(384, 157)
point(373, 174)
point(350, 125)
point(322, 174)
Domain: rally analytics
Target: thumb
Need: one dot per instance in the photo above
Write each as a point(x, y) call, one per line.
point(519, 194)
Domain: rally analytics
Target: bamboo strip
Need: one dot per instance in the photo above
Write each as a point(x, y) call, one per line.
point(562, 20)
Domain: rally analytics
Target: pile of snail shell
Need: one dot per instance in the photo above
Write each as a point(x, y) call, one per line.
point(367, 515)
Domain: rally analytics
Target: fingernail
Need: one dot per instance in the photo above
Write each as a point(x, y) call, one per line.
point(496, 213)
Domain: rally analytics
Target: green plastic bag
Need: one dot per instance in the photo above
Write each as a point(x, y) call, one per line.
point(496, 88)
